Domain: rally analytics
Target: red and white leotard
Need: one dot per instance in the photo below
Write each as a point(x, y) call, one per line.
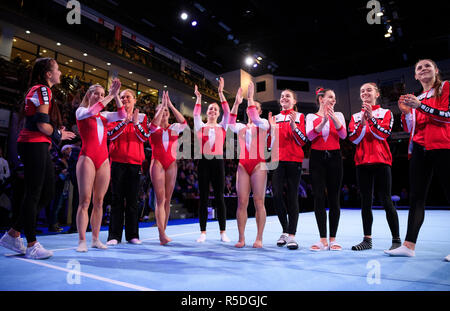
point(164, 142)
point(212, 139)
point(371, 136)
point(252, 139)
point(328, 138)
point(92, 125)
point(38, 95)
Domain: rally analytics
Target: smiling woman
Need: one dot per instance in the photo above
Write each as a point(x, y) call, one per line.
point(427, 119)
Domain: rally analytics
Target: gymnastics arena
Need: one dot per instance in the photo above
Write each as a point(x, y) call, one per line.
point(224, 155)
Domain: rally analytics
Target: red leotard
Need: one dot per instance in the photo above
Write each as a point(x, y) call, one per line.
point(92, 125)
point(164, 142)
point(252, 139)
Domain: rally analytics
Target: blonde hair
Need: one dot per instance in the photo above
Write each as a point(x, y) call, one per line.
point(91, 89)
point(133, 93)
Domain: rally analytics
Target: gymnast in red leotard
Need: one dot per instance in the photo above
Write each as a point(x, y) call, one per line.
point(93, 170)
point(252, 171)
point(163, 166)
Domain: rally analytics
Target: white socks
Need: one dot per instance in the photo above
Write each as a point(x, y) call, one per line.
point(401, 251)
point(223, 238)
point(202, 238)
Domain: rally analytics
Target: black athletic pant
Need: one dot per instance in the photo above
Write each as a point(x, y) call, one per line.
point(125, 189)
point(39, 179)
point(378, 175)
point(211, 170)
point(326, 174)
point(422, 165)
point(288, 173)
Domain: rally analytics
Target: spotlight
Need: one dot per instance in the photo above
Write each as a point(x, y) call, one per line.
point(58, 44)
point(85, 54)
point(255, 65)
point(130, 72)
point(388, 35)
point(108, 64)
point(184, 16)
point(249, 61)
point(27, 31)
point(194, 23)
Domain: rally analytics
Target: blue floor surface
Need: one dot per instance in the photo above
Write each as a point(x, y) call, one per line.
point(185, 265)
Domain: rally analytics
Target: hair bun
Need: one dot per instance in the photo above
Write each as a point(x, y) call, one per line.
point(319, 91)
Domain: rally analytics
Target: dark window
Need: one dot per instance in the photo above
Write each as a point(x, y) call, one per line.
point(302, 86)
point(260, 86)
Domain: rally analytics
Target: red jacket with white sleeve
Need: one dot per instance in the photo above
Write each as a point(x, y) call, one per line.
point(328, 138)
point(370, 136)
point(288, 143)
point(127, 140)
point(437, 109)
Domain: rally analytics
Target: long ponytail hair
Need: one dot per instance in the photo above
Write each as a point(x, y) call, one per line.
point(38, 76)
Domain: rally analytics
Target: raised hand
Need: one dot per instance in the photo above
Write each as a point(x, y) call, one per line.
point(239, 97)
point(115, 87)
point(221, 85)
point(250, 91)
point(169, 103)
point(197, 93)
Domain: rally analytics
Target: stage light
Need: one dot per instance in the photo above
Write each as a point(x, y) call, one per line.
point(27, 31)
point(249, 60)
point(255, 65)
point(85, 54)
point(130, 72)
point(184, 16)
point(58, 44)
point(108, 64)
point(194, 23)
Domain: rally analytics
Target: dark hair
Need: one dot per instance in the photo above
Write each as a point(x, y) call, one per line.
point(294, 95)
point(38, 76)
point(437, 82)
point(320, 92)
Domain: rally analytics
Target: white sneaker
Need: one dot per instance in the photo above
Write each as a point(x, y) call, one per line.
point(112, 242)
point(447, 258)
point(15, 244)
point(37, 251)
point(224, 237)
point(98, 244)
point(202, 238)
point(135, 241)
point(283, 239)
point(401, 251)
point(82, 246)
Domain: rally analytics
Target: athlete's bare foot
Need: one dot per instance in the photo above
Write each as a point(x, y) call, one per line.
point(240, 244)
point(163, 240)
point(258, 244)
